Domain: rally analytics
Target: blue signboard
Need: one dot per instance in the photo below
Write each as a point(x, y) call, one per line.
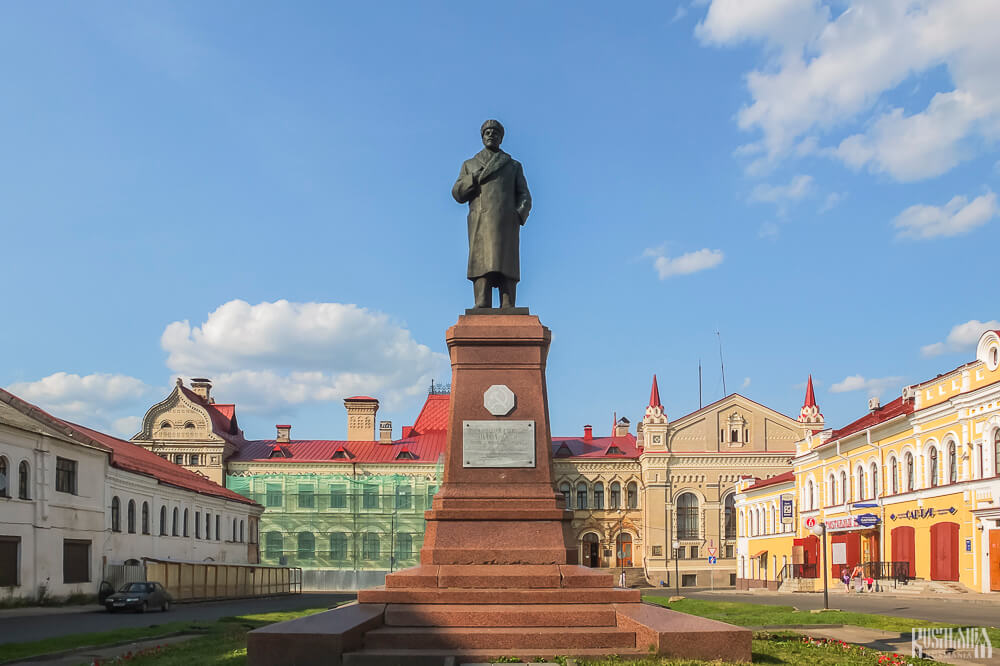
point(868, 520)
point(968, 545)
point(786, 509)
point(712, 560)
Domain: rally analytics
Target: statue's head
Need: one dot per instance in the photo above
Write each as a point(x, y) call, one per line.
point(492, 133)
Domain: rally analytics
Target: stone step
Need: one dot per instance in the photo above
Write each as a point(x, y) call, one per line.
point(384, 657)
point(499, 576)
point(577, 595)
point(498, 638)
point(500, 615)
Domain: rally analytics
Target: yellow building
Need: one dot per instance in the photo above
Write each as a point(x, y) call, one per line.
point(910, 489)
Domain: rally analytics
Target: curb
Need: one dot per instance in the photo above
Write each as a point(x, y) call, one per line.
point(70, 651)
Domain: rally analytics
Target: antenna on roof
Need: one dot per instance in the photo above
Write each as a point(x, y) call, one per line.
point(699, 383)
point(722, 363)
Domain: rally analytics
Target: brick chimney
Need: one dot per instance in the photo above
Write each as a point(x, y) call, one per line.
point(361, 411)
point(202, 388)
point(621, 428)
point(588, 433)
point(284, 434)
point(385, 432)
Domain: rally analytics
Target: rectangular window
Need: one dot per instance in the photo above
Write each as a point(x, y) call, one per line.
point(403, 497)
point(76, 561)
point(689, 580)
point(66, 476)
point(732, 579)
point(730, 551)
point(338, 497)
point(694, 552)
point(197, 524)
point(272, 497)
point(10, 565)
point(178, 458)
point(194, 459)
point(307, 499)
point(369, 497)
point(680, 553)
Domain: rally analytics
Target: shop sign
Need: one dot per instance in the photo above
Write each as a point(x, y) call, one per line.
point(868, 520)
point(810, 522)
point(835, 524)
point(786, 511)
point(916, 514)
point(968, 545)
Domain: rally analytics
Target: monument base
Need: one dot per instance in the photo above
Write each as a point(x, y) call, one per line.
point(432, 615)
point(497, 576)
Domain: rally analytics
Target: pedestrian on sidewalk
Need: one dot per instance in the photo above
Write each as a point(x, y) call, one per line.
point(859, 573)
point(845, 577)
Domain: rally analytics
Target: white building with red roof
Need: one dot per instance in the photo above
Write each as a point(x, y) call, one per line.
point(75, 499)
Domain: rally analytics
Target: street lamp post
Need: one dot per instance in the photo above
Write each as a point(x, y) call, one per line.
point(819, 530)
point(677, 578)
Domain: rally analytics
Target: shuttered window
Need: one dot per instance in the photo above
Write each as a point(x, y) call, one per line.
point(10, 567)
point(76, 561)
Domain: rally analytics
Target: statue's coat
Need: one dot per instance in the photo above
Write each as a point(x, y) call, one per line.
point(498, 206)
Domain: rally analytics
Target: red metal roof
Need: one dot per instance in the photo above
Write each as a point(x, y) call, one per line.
point(654, 395)
point(810, 395)
point(774, 480)
point(433, 416)
point(597, 447)
point(891, 410)
point(133, 458)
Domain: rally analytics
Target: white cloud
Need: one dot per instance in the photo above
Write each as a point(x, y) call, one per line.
point(962, 337)
point(679, 14)
point(272, 355)
point(97, 400)
point(833, 199)
point(782, 195)
point(746, 382)
point(768, 230)
point(692, 262)
point(956, 217)
point(827, 69)
point(874, 386)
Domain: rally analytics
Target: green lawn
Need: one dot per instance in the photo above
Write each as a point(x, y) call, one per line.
point(761, 615)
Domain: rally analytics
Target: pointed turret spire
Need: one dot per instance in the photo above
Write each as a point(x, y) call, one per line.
point(654, 395)
point(810, 410)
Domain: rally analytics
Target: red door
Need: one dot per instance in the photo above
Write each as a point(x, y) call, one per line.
point(852, 540)
point(944, 551)
point(903, 549)
point(995, 560)
point(810, 555)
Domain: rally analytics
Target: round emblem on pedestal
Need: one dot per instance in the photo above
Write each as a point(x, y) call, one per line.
point(498, 400)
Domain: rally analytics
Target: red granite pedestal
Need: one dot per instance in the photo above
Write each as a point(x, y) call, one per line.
point(498, 574)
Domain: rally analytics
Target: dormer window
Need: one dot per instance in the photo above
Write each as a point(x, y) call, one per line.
point(614, 451)
point(341, 454)
point(563, 451)
point(405, 454)
point(165, 424)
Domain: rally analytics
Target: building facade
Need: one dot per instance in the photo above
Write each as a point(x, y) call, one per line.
point(912, 485)
point(73, 500)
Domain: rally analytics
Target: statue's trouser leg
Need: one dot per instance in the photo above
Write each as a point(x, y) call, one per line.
point(508, 293)
point(483, 292)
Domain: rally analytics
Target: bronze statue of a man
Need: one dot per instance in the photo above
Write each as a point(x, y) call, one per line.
point(499, 202)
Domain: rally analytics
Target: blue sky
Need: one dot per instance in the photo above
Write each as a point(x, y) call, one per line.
point(261, 194)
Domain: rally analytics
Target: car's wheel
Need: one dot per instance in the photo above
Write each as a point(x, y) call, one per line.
point(144, 607)
point(165, 607)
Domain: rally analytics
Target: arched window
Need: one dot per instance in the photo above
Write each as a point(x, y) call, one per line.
point(23, 487)
point(370, 546)
point(4, 469)
point(996, 452)
point(307, 546)
point(952, 463)
point(274, 545)
point(598, 495)
point(632, 491)
point(859, 491)
point(616, 495)
point(174, 530)
point(218, 529)
point(163, 521)
point(581, 495)
point(729, 505)
point(844, 492)
point(875, 488)
point(197, 524)
point(235, 538)
point(165, 424)
point(404, 497)
point(131, 516)
point(894, 472)
point(116, 514)
point(767, 522)
point(338, 546)
point(404, 546)
point(564, 489)
point(186, 532)
point(932, 467)
point(909, 472)
point(831, 491)
point(687, 516)
point(241, 531)
point(208, 525)
point(810, 495)
point(145, 517)
point(189, 425)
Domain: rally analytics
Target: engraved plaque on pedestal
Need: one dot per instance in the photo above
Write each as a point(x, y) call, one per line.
point(498, 443)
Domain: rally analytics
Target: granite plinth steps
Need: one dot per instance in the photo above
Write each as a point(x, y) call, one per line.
point(474, 613)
